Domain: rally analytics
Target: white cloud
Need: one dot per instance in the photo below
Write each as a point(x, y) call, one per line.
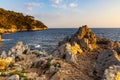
point(58, 4)
point(63, 6)
point(73, 5)
point(56, 1)
point(33, 4)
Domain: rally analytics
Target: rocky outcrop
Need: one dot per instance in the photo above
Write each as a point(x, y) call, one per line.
point(83, 40)
point(84, 36)
point(20, 59)
point(84, 48)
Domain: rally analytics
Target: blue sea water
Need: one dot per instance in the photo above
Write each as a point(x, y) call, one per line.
point(48, 39)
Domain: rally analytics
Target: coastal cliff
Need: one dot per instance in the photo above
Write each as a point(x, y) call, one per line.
point(83, 56)
point(11, 21)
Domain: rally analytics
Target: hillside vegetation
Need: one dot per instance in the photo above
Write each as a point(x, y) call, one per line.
point(11, 21)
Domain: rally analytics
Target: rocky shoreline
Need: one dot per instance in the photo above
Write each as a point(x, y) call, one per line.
point(15, 22)
point(83, 56)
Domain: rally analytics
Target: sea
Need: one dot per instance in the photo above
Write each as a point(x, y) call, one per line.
point(47, 40)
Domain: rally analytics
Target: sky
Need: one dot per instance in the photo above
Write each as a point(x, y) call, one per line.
point(69, 13)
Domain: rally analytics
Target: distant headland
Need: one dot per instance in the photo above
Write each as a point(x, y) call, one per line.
point(11, 21)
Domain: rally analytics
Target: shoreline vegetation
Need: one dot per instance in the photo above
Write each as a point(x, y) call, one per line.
point(11, 21)
point(83, 56)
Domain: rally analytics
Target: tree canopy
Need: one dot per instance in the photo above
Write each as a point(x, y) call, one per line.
point(15, 20)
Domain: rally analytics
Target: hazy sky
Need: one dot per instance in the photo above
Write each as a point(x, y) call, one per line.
point(69, 13)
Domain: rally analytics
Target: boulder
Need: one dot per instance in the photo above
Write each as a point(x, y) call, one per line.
point(105, 59)
point(14, 77)
point(112, 73)
point(67, 52)
point(3, 55)
point(18, 51)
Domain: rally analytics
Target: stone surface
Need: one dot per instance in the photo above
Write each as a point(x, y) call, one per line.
point(85, 33)
point(31, 75)
point(105, 59)
point(112, 73)
point(18, 51)
point(117, 49)
point(14, 77)
point(65, 52)
point(3, 55)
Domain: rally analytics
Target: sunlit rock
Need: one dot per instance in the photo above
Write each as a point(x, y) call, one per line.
point(4, 63)
point(83, 40)
point(112, 73)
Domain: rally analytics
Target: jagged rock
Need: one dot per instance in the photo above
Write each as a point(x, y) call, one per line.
point(18, 51)
point(14, 77)
point(83, 40)
point(67, 52)
point(85, 32)
point(42, 58)
point(3, 55)
point(105, 59)
point(112, 73)
point(39, 63)
point(54, 67)
point(39, 53)
point(106, 43)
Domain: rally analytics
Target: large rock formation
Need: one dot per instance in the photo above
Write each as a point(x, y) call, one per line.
point(84, 48)
point(83, 40)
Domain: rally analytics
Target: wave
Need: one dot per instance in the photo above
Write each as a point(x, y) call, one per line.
point(35, 45)
point(6, 39)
